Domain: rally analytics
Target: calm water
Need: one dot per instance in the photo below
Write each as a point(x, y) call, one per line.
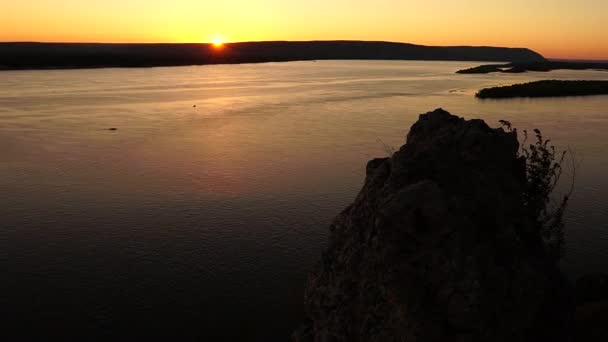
point(203, 212)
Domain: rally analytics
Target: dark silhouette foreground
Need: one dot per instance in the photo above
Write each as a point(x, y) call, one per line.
point(439, 245)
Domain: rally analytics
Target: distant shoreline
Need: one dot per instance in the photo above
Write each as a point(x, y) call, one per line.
point(60, 56)
point(51, 68)
point(93, 67)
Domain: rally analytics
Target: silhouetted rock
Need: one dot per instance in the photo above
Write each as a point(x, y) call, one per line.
point(436, 247)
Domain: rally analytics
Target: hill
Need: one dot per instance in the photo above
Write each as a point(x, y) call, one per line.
point(15, 56)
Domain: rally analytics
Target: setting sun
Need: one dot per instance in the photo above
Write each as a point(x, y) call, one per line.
point(217, 42)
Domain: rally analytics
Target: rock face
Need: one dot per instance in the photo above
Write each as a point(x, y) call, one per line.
point(436, 247)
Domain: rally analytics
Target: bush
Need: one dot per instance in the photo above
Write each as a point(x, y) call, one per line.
point(543, 172)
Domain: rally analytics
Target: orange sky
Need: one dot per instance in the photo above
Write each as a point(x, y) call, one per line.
point(555, 28)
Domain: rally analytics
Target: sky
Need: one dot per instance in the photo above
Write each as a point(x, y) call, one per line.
point(555, 28)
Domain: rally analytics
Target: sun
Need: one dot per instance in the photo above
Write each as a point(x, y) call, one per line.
point(217, 42)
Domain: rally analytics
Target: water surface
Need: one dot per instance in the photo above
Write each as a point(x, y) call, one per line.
point(202, 213)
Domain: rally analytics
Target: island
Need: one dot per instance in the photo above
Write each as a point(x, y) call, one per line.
point(550, 88)
point(21, 56)
point(540, 66)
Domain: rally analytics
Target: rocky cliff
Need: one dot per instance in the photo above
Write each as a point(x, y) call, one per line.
point(436, 247)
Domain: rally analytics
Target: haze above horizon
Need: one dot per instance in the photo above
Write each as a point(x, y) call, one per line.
point(554, 28)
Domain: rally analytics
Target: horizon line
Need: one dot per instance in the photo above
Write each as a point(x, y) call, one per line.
point(306, 41)
point(256, 41)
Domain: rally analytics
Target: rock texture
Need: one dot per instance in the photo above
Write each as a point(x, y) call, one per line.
point(436, 247)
